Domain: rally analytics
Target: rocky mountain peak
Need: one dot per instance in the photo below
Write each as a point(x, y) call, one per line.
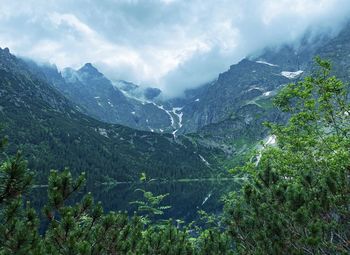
point(88, 68)
point(5, 51)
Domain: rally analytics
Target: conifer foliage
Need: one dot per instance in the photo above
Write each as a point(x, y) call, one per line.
point(84, 228)
point(296, 199)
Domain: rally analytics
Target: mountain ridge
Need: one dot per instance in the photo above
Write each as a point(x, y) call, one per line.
point(53, 133)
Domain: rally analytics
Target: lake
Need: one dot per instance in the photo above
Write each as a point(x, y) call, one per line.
point(185, 197)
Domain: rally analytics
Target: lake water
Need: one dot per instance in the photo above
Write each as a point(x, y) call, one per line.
point(185, 198)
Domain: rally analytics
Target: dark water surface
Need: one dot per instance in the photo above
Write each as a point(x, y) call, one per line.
point(185, 198)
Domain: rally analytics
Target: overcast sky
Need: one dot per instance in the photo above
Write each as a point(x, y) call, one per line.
point(168, 44)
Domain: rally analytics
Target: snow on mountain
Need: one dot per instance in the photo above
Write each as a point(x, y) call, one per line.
point(267, 93)
point(265, 63)
point(291, 75)
point(176, 111)
point(204, 160)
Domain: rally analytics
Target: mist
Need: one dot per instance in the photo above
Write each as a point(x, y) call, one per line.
point(168, 44)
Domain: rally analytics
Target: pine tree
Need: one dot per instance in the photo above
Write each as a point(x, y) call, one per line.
point(18, 221)
point(296, 199)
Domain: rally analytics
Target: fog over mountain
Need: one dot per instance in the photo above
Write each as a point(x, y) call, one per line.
point(169, 44)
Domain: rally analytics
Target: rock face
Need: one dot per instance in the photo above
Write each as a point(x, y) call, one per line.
point(123, 103)
point(91, 90)
point(242, 84)
point(151, 93)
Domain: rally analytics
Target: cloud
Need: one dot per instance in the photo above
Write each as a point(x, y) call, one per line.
point(170, 44)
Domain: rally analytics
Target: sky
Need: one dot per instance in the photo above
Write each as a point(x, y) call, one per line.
point(170, 44)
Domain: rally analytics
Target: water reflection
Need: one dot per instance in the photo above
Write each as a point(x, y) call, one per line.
point(185, 198)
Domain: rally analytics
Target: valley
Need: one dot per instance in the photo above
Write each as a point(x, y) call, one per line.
point(137, 134)
point(220, 122)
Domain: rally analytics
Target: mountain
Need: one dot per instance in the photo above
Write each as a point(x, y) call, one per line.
point(112, 102)
point(229, 112)
point(241, 95)
point(243, 85)
point(250, 83)
point(255, 79)
point(226, 115)
point(53, 133)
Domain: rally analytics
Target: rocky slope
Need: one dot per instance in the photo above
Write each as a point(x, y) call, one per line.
point(226, 114)
point(53, 133)
point(112, 102)
point(229, 113)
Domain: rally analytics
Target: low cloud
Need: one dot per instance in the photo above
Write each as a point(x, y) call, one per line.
point(170, 44)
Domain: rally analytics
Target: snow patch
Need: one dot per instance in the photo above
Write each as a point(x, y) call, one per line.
point(167, 112)
point(174, 133)
point(133, 113)
point(176, 111)
point(204, 160)
point(141, 100)
point(197, 100)
point(267, 93)
point(255, 87)
point(291, 75)
point(161, 107)
point(265, 63)
point(103, 132)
